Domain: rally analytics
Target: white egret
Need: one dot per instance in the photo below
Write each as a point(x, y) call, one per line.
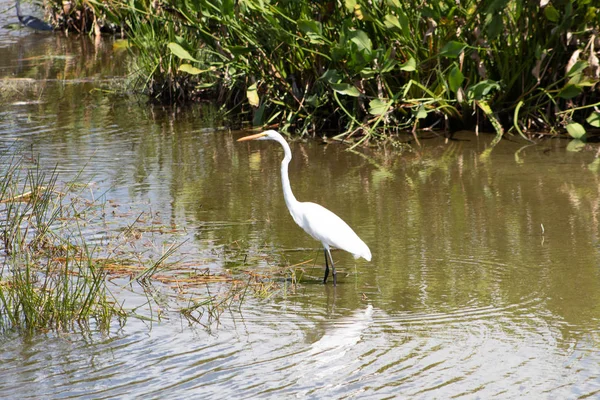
point(316, 220)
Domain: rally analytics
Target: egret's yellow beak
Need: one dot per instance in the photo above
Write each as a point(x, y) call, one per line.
point(252, 137)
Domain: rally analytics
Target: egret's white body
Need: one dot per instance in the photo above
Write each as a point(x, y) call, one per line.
point(316, 220)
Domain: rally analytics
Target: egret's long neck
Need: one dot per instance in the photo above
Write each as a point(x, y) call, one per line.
point(289, 197)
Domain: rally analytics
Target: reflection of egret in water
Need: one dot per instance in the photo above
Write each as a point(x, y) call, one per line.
point(339, 340)
point(346, 333)
point(337, 353)
point(30, 21)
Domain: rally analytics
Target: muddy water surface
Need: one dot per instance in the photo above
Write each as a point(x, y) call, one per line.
point(485, 278)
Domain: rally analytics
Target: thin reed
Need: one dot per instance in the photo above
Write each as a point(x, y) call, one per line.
point(49, 278)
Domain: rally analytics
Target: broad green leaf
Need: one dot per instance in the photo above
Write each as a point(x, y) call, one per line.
point(551, 13)
point(495, 26)
point(594, 119)
point(331, 76)
point(378, 107)
point(569, 91)
point(368, 73)
point(455, 78)
point(410, 65)
point(312, 29)
point(227, 7)
point(350, 4)
point(388, 65)
point(575, 130)
point(190, 69)
point(345, 88)
point(577, 68)
point(421, 113)
point(482, 89)
point(391, 22)
point(252, 95)
point(452, 49)
point(362, 41)
point(313, 100)
point(338, 53)
point(180, 52)
point(403, 19)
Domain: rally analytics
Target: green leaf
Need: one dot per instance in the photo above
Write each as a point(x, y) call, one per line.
point(190, 69)
point(238, 50)
point(345, 88)
point(575, 130)
point(452, 49)
point(594, 119)
point(551, 13)
point(577, 68)
point(350, 4)
point(313, 100)
point(388, 66)
point(410, 65)
point(569, 91)
point(421, 113)
point(482, 89)
point(313, 30)
point(227, 7)
point(180, 52)
point(391, 22)
point(404, 23)
point(368, 73)
point(362, 41)
point(378, 107)
point(331, 76)
point(252, 95)
point(455, 78)
point(495, 26)
point(307, 25)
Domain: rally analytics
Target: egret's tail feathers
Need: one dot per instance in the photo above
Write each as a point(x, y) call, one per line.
point(367, 255)
point(364, 252)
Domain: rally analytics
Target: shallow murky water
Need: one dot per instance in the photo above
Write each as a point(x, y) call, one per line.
point(485, 278)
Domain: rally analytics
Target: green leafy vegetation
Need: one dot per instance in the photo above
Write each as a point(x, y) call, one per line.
point(373, 67)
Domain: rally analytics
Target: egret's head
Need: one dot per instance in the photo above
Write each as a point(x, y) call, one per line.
point(266, 135)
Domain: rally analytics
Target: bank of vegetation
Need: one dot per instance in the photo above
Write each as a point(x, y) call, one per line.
point(370, 67)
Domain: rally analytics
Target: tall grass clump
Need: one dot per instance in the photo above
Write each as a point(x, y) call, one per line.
point(49, 279)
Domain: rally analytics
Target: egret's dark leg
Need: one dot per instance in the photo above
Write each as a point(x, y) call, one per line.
point(327, 252)
point(326, 267)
